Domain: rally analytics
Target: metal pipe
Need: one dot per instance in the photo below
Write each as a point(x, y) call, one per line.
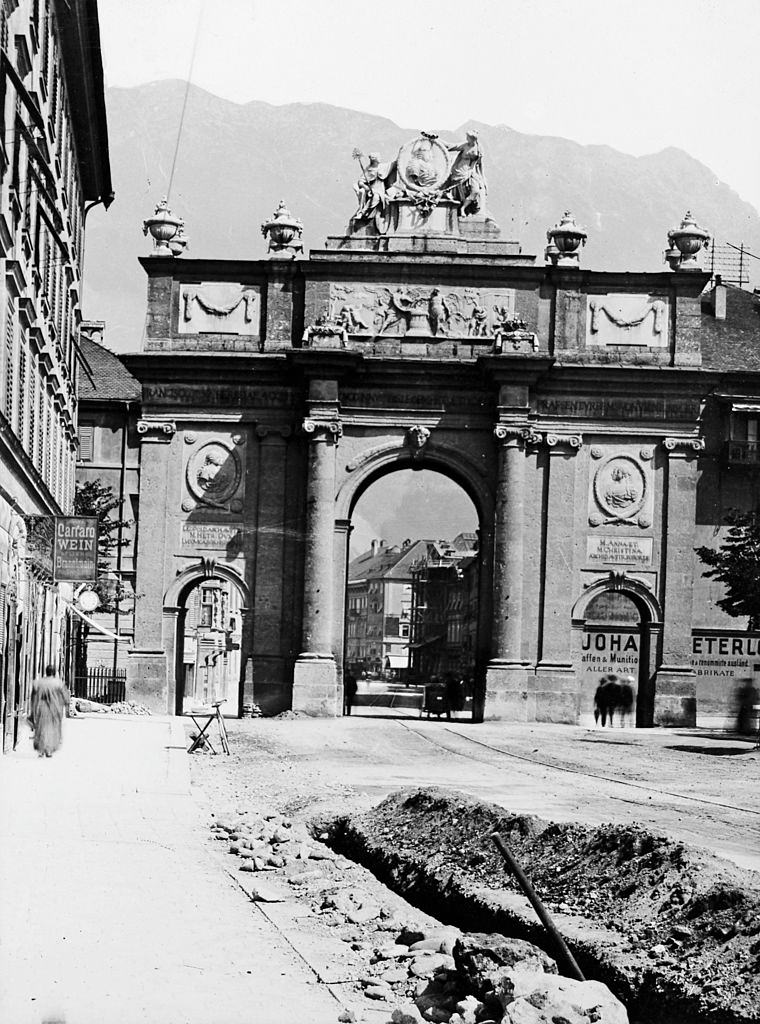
point(574, 970)
point(120, 537)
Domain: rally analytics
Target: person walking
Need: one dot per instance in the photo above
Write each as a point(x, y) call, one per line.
point(47, 706)
point(349, 692)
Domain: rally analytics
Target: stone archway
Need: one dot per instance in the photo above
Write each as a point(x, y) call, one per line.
point(215, 661)
point(616, 624)
point(371, 466)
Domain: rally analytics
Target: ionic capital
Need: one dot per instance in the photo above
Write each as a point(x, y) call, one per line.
point(573, 442)
point(683, 446)
point(517, 434)
point(263, 432)
point(322, 430)
point(156, 430)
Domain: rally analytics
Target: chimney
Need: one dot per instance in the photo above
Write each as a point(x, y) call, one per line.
point(376, 546)
point(718, 299)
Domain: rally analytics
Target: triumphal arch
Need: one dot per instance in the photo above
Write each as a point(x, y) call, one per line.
point(564, 401)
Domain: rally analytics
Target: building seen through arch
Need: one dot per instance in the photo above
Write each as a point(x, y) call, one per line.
point(601, 422)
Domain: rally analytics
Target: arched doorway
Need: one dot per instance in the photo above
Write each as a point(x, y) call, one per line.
point(209, 653)
point(615, 635)
point(412, 623)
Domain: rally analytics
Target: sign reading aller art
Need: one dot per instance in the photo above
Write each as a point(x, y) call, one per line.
point(619, 550)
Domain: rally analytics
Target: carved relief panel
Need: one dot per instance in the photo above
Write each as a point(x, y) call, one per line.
point(403, 311)
point(214, 476)
point(623, 319)
point(621, 487)
point(219, 308)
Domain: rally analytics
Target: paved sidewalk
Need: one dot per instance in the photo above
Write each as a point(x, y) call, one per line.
point(112, 908)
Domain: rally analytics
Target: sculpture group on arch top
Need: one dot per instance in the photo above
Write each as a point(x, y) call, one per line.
point(435, 190)
point(422, 180)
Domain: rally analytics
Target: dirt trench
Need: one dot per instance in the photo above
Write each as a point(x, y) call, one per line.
point(673, 932)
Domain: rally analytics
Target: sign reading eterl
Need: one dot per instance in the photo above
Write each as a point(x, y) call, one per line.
point(75, 548)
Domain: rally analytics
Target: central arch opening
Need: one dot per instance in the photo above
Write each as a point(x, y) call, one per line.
point(412, 598)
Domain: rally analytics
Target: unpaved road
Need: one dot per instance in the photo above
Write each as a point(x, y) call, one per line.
point(690, 785)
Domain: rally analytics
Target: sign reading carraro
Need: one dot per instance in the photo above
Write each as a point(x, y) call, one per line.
point(75, 548)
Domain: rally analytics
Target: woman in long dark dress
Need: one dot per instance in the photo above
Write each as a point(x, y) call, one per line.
point(46, 710)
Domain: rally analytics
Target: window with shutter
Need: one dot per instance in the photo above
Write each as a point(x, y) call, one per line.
point(10, 376)
point(86, 442)
point(22, 393)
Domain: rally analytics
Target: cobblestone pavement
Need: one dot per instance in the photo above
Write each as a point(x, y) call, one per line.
point(112, 908)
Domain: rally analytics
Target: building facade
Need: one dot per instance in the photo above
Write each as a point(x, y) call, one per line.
point(586, 414)
point(108, 454)
point(53, 163)
point(444, 609)
point(378, 609)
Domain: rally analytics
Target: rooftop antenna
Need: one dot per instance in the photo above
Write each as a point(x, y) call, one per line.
point(731, 262)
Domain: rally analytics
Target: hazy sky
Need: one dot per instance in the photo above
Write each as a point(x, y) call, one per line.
point(411, 504)
point(638, 75)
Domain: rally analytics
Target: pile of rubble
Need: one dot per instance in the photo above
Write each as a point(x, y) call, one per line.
point(82, 706)
point(401, 959)
point(128, 707)
point(674, 931)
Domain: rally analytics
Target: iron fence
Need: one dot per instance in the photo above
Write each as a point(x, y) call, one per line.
point(102, 685)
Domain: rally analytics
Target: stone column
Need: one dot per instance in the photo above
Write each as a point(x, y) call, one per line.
point(675, 701)
point(553, 697)
point(506, 674)
point(315, 678)
point(147, 665)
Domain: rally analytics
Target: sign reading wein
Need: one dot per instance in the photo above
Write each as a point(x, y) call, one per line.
point(75, 548)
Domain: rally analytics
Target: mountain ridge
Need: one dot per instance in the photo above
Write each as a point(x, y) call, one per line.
point(236, 161)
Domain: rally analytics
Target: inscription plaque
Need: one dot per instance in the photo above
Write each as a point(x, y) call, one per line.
point(207, 535)
point(619, 550)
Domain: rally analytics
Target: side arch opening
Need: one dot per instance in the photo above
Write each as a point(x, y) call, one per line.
point(616, 624)
point(208, 607)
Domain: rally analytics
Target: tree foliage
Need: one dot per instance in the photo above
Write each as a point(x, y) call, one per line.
point(736, 563)
point(94, 498)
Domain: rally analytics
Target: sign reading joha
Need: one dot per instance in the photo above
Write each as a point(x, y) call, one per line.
point(75, 548)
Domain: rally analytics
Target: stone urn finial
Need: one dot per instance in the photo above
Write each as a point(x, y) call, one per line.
point(163, 227)
point(564, 239)
point(686, 242)
point(180, 242)
point(283, 232)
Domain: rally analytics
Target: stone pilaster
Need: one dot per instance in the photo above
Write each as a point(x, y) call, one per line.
point(675, 701)
point(340, 567)
point(506, 672)
point(148, 662)
point(315, 689)
point(268, 661)
point(553, 695)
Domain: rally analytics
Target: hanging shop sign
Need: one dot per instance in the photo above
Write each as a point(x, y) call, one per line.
point(75, 548)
